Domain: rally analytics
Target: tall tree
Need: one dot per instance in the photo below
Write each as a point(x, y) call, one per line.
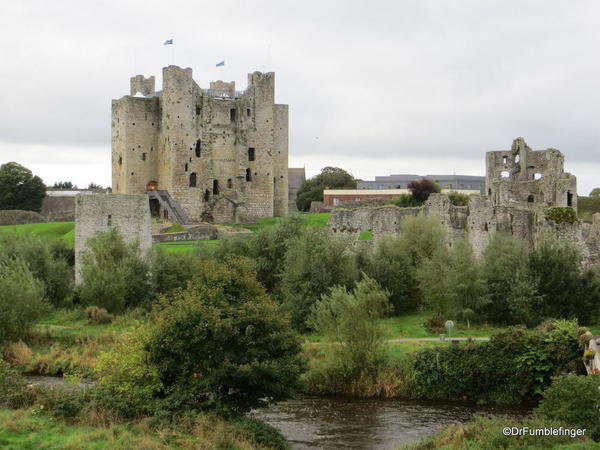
point(421, 189)
point(20, 189)
point(329, 178)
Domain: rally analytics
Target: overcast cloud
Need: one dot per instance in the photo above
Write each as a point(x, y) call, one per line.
point(376, 87)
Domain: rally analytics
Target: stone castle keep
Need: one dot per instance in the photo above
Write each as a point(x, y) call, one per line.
point(214, 155)
point(521, 183)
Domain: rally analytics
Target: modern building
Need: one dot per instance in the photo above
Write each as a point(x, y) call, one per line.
point(401, 181)
point(333, 197)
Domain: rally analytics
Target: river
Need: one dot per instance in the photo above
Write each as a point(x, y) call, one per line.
point(349, 423)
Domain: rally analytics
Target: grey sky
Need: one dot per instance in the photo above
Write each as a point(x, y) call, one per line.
point(377, 87)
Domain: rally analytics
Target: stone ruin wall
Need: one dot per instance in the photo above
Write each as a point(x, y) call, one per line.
point(128, 213)
point(478, 222)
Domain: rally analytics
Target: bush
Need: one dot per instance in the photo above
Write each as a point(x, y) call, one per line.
point(350, 319)
point(17, 354)
point(12, 387)
point(260, 433)
point(48, 260)
point(171, 271)
point(574, 400)
point(114, 275)
point(21, 300)
point(435, 324)
point(97, 316)
point(561, 214)
point(420, 189)
point(314, 263)
point(225, 327)
point(514, 366)
point(458, 199)
point(405, 201)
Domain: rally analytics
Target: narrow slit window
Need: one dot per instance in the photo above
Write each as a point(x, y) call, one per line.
point(251, 154)
point(215, 187)
point(248, 175)
point(232, 115)
point(198, 148)
point(193, 179)
point(143, 157)
point(186, 167)
point(206, 195)
point(229, 183)
point(248, 112)
point(109, 220)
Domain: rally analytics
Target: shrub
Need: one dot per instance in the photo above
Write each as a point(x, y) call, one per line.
point(171, 271)
point(513, 366)
point(351, 320)
point(405, 201)
point(574, 400)
point(21, 300)
point(225, 327)
point(17, 354)
point(48, 260)
point(390, 265)
point(97, 316)
point(113, 273)
point(435, 324)
point(314, 263)
point(12, 387)
point(458, 199)
point(561, 214)
point(420, 189)
point(260, 433)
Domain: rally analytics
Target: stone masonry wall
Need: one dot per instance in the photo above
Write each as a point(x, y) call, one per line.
point(129, 214)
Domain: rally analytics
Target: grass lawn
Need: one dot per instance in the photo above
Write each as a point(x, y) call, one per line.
point(183, 246)
point(312, 220)
point(57, 230)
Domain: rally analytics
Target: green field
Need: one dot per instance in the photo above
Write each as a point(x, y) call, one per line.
point(66, 231)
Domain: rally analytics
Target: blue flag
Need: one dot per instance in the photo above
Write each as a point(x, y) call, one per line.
point(168, 42)
point(221, 64)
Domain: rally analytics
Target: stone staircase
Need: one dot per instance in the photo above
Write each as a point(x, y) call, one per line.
point(168, 203)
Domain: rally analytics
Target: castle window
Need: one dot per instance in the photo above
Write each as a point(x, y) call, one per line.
point(193, 179)
point(504, 159)
point(248, 175)
point(120, 160)
point(109, 220)
point(206, 195)
point(133, 123)
point(186, 167)
point(215, 187)
point(229, 183)
point(537, 176)
point(490, 192)
point(143, 157)
point(517, 159)
point(251, 154)
point(569, 198)
point(131, 173)
point(248, 112)
point(198, 148)
point(232, 115)
point(198, 110)
point(530, 199)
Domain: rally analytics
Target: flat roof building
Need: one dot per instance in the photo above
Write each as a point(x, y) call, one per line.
point(450, 182)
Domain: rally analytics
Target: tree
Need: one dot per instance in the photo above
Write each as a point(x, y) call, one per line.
point(513, 291)
point(329, 178)
point(390, 265)
point(222, 344)
point(595, 193)
point(421, 236)
point(94, 186)
point(64, 185)
point(47, 261)
point(351, 320)
point(452, 284)
point(314, 263)
point(20, 189)
point(114, 274)
point(420, 189)
point(556, 266)
point(21, 299)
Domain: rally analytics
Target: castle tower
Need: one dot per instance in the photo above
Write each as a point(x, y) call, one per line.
point(214, 154)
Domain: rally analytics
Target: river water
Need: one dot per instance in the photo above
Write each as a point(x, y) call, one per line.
point(348, 423)
point(351, 423)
